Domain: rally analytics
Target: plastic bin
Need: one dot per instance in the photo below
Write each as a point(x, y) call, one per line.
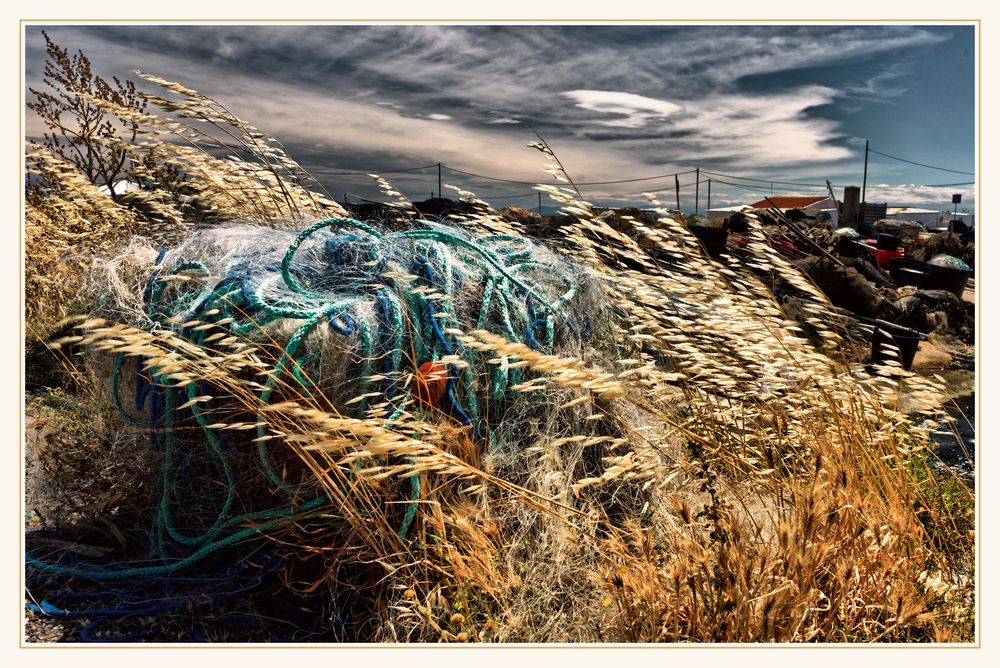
point(907, 271)
point(887, 242)
point(903, 338)
point(882, 257)
point(712, 238)
point(947, 278)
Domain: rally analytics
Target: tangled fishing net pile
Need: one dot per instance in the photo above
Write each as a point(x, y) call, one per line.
point(344, 319)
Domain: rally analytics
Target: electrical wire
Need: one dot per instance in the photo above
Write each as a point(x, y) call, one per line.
point(377, 171)
point(727, 179)
point(919, 164)
point(581, 183)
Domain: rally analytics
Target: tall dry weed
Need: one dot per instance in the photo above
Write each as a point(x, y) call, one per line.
point(729, 478)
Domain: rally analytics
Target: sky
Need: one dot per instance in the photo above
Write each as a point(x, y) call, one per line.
point(615, 102)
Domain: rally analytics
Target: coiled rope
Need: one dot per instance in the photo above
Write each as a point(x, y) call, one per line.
point(388, 296)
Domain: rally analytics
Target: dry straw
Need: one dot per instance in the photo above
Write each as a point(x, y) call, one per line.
point(725, 475)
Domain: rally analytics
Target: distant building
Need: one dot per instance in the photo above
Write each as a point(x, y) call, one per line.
point(928, 217)
point(811, 205)
point(785, 202)
point(723, 212)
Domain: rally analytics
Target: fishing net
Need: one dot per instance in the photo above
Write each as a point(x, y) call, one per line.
point(344, 317)
point(949, 262)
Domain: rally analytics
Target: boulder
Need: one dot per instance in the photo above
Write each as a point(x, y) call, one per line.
point(930, 356)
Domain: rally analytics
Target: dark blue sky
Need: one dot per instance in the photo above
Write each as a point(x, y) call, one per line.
point(788, 103)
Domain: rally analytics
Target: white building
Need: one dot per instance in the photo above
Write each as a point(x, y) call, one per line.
point(928, 217)
point(723, 212)
point(814, 206)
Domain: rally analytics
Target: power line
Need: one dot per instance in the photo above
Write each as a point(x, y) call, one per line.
point(493, 178)
point(485, 198)
point(740, 185)
point(585, 183)
point(645, 178)
point(376, 172)
point(714, 176)
point(783, 183)
point(515, 196)
point(919, 164)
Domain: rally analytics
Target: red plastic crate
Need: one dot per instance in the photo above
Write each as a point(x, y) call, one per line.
point(881, 256)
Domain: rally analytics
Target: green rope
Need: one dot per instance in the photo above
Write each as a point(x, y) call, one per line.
point(384, 320)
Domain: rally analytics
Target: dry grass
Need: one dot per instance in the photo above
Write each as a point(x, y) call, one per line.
point(728, 478)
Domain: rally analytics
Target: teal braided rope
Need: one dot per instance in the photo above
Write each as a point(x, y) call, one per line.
point(280, 517)
point(486, 255)
point(364, 332)
point(215, 449)
point(286, 262)
point(287, 357)
point(253, 303)
point(411, 507)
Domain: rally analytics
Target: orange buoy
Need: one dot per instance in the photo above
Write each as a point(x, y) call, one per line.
point(429, 384)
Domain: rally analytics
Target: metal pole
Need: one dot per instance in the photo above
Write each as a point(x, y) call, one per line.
point(439, 180)
point(697, 181)
point(864, 181)
point(677, 189)
point(708, 207)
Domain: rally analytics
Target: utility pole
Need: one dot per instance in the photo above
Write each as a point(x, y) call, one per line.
point(708, 207)
point(956, 199)
point(697, 182)
point(864, 181)
point(439, 180)
point(539, 202)
point(677, 190)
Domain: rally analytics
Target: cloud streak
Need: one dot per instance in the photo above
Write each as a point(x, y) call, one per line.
point(616, 102)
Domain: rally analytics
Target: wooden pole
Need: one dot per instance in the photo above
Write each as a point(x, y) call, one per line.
point(697, 182)
point(677, 190)
point(864, 182)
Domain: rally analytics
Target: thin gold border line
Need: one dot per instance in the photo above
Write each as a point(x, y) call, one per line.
point(22, 485)
point(23, 24)
point(977, 462)
point(594, 21)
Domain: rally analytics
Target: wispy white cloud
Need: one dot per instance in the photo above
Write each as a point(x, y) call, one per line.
point(763, 130)
point(615, 102)
point(636, 109)
point(879, 87)
point(936, 198)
